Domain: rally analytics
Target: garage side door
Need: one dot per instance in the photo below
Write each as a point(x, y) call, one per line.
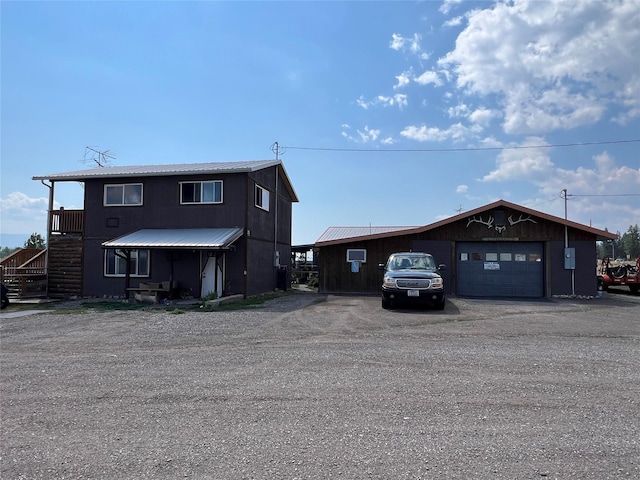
point(500, 269)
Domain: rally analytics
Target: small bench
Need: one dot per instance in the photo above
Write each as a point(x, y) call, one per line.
point(152, 291)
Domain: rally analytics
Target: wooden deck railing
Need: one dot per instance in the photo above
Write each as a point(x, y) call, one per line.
point(24, 272)
point(67, 221)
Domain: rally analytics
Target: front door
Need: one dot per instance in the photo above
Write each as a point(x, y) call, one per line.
point(213, 276)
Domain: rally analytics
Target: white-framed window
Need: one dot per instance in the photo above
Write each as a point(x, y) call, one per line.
point(201, 192)
point(115, 263)
point(127, 194)
point(262, 198)
point(357, 255)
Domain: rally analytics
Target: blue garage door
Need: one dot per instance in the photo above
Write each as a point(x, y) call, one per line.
point(500, 269)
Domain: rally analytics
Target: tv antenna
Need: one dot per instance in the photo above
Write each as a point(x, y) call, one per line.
point(278, 150)
point(459, 209)
point(101, 158)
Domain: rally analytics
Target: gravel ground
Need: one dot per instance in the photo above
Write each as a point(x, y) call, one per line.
point(310, 386)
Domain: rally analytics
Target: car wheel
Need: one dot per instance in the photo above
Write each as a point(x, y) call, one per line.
point(601, 285)
point(386, 304)
point(440, 306)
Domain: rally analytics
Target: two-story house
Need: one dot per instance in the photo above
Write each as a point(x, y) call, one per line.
point(206, 227)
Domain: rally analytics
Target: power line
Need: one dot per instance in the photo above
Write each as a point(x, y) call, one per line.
point(467, 149)
point(605, 195)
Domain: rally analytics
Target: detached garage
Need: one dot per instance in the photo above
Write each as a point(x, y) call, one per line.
point(498, 250)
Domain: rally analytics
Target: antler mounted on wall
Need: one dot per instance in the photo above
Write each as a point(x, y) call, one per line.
point(488, 223)
point(528, 219)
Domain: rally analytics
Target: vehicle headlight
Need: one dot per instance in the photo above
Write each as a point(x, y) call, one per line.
point(436, 283)
point(388, 281)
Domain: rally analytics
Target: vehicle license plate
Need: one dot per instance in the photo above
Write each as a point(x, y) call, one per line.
point(413, 293)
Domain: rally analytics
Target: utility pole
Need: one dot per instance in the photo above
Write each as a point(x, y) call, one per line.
point(568, 253)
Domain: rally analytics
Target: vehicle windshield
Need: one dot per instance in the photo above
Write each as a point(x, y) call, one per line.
point(415, 262)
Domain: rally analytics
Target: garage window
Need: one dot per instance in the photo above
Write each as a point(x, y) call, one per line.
point(492, 257)
point(505, 257)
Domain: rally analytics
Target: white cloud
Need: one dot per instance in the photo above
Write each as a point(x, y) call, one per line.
point(604, 179)
point(398, 99)
point(400, 43)
point(462, 189)
point(460, 110)
point(482, 116)
point(397, 42)
point(20, 213)
point(522, 164)
point(428, 77)
point(423, 133)
point(403, 80)
point(593, 191)
point(454, 22)
point(553, 64)
point(362, 102)
point(387, 141)
point(363, 136)
point(448, 5)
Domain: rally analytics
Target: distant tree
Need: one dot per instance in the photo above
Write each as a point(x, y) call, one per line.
point(6, 251)
point(35, 241)
point(631, 241)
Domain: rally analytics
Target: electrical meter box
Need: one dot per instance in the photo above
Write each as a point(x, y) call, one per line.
point(569, 258)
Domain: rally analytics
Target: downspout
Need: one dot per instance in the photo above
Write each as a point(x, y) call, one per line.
point(275, 230)
point(246, 237)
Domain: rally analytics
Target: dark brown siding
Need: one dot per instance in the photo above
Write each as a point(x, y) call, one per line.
point(162, 209)
point(64, 265)
point(584, 274)
point(336, 276)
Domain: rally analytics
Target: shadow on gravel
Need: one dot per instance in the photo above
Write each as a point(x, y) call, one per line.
point(449, 309)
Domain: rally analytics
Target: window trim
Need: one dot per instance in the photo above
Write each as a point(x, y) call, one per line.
point(350, 259)
point(124, 274)
point(262, 192)
point(122, 204)
point(201, 182)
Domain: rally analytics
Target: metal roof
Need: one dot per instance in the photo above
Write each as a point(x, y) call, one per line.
point(168, 170)
point(178, 238)
point(160, 170)
point(340, 233)
point(396, 231)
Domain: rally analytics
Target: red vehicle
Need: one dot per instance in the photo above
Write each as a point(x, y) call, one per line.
point(619, 275)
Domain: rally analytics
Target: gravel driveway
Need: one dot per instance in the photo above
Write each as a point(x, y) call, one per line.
point(318, 387)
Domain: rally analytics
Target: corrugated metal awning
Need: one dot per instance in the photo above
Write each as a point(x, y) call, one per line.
point(178, 238)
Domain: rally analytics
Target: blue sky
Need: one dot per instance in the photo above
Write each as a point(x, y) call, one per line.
point(391, 113)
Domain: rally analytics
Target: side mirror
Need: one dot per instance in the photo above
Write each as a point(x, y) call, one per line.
point(442, 266)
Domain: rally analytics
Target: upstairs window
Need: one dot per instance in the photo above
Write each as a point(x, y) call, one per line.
point(262, 198)
point(124, 194)
point(201, 192)
point(115, 263)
